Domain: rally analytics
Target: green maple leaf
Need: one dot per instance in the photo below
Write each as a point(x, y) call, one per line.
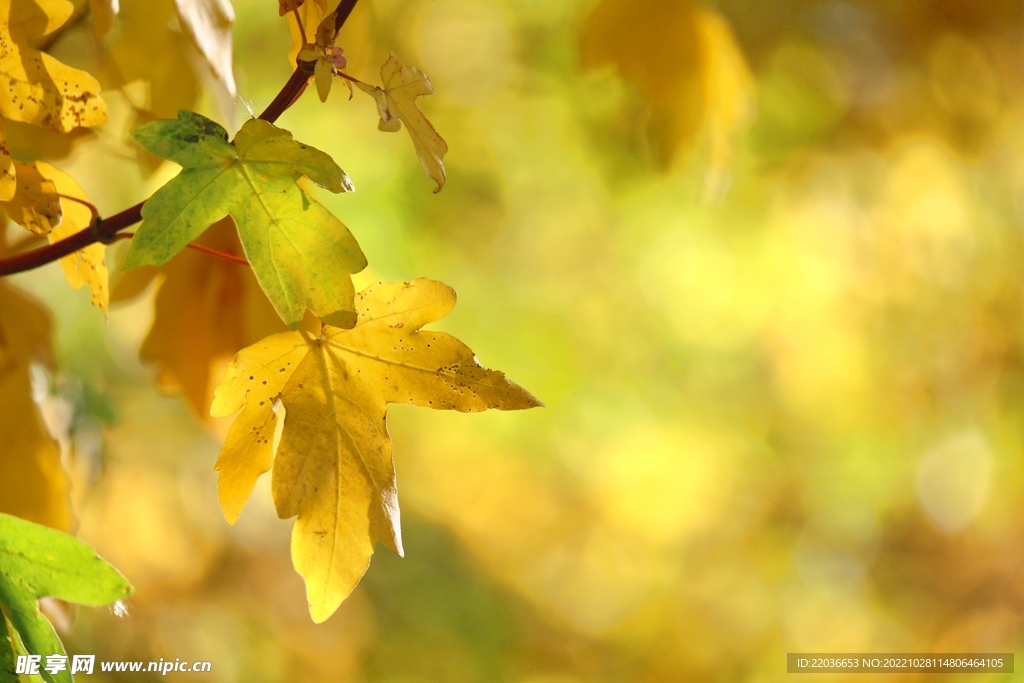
point(8, 672)
point(301, 254)
point(36, 562)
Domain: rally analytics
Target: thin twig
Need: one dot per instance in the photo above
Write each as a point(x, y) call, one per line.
point(84, 202)
point(349, 78)
point(105, 230)
point(298, 20)
point(101, 231)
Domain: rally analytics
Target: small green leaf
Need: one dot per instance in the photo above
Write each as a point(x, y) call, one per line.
point(301, 254)
point(7, 668)
point(38, 562)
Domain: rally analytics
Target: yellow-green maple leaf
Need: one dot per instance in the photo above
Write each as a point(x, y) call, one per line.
point(35, 87)
point(396, 102)
point(301, 254)
point(333, 466)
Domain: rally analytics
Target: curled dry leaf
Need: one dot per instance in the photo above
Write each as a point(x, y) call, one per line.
point(333, 467)
point(396, 102)
point(35, 87)
point(35, 205)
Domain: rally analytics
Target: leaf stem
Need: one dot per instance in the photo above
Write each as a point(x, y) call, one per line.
point(298, 20)
point(87, 204)
point(106, 229)
point(348, 78)
point(192, 245)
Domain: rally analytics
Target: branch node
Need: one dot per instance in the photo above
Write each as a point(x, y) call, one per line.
point(94, 228)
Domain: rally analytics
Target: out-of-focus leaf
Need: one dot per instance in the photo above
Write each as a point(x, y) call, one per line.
point(35, 206)
point(684, 60)
point(165, 80)
point(208, 23)
point(86, 266)
point(103, 13)
point(333, 467)
point(37, 562)
point(728, 87)
point(37, 88)
point(32, 483)
point(25, 141)
point(8, 182)
point(301, 254)
point(396, 101)
point(206, 310)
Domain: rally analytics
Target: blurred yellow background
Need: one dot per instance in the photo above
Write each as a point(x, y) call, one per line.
point(764, 263)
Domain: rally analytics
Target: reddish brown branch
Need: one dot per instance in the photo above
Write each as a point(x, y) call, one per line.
point(101, 231)
point(345, 8)
point(291, 91)
point(105, 230)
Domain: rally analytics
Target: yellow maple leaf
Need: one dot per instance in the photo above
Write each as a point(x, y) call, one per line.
point(8, 181)
point(333, 466)
point(206, 309)
point(37, 88)
point(32, 142)
point(32, 484)
point(165, 81)
point(85, 266)
point(35, 205)
point(396, 101)
point(686, 63)
point(103, 13)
